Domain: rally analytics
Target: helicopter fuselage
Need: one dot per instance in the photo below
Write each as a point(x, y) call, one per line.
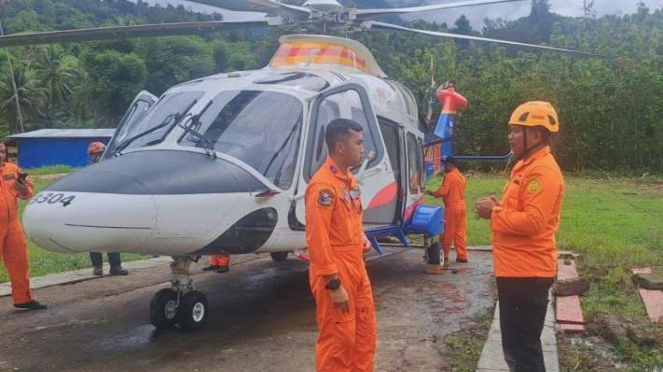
point(240, 190)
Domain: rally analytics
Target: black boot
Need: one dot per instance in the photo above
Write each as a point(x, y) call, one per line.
point(223, 269)
point(211, 268)
point(32, 305)
point(97, 271)
point(118, 270)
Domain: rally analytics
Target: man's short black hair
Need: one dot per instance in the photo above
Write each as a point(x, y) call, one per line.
point(338, 130)
point(450, 160)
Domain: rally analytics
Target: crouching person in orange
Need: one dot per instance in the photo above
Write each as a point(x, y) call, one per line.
point(524, 225)
point(219, 262)
point(13, 246)
point(344, 300)
point(455, 211)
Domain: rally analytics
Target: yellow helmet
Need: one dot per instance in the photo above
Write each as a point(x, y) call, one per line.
point(536, 113)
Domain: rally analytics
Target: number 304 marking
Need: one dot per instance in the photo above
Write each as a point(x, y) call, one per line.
point(53, 198)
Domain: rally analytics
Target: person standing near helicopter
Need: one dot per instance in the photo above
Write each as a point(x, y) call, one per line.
point(219, 263)
point(524, 223)
point(15, 185)
point(345, 310)
point(455, 212)
point(94, 152)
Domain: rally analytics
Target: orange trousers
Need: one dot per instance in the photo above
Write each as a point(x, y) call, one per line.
point(220, 260)
point(14, 255)
point(346, 342)
point(455, 230)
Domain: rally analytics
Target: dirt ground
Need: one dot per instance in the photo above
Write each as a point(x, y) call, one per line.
point(262, 319)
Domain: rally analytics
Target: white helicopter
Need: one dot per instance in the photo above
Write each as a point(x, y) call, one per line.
point(221, 164)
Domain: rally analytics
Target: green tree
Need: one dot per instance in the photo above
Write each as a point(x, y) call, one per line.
point(30, 97)
point(172, 60)
point(114, 79)
point(462, 26)
point(59, 80)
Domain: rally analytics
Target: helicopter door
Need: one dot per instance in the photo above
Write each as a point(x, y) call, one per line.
point(416, 177)
point(375, 177)
point(139, 107)
point(393, 136)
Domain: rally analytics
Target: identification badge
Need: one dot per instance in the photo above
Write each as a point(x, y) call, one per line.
point(533, 186)
point(355, 193)
point(8, 176)
point(326, 198)
point(346, 195)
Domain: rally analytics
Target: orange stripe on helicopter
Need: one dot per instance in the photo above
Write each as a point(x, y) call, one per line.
point(296, 53)
point(384, 196)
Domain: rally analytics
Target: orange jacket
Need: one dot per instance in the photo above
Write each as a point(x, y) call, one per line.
point(525, 223)
point(9, 202)
point(333, 217)
point(452, 189)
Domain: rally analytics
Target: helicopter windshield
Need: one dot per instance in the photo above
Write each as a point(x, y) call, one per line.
point(260, 128)
point(169, 106)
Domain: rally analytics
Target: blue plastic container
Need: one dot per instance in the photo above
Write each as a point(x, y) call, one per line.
point(427, 220)
point(430, 169)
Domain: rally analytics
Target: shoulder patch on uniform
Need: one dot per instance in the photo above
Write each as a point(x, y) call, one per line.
point(326, 198)
point(533, 186)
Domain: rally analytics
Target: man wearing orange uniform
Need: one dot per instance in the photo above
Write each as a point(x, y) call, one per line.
point(219, 262)
point(455, 211)
point(13, 247)
point(339, 282)
point(524, 223)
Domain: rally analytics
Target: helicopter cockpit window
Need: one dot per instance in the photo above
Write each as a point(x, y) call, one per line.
point(259, 128)
point(345, 105)
point(295, 79)
point(136, 112)
point(164, 114)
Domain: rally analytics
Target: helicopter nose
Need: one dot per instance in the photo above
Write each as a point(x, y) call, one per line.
point(71, 221)
point(121, 204)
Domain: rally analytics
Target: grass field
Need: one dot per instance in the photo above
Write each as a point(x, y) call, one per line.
point(615, 224)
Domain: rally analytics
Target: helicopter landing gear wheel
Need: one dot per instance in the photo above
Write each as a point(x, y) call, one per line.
point(180, 305)
point(279, 256)
point(163, 309)
point(193, 311)
point(433, 254)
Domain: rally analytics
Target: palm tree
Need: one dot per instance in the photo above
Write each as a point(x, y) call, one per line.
point(30, 97)
point(58, 81)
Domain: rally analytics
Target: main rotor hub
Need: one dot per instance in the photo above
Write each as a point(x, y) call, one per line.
point(324, 5)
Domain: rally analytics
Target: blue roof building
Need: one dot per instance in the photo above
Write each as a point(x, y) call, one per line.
point(46, 147)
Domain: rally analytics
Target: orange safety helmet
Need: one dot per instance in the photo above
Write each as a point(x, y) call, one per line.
point(536, 113)
point(96, 148)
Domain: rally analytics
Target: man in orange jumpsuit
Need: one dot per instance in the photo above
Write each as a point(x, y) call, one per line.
point(524, 223)
point(13, 246)
point(339, 282)
point(219, 262)
point(455, 211)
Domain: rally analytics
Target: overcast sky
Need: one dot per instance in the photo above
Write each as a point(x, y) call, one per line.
point(476, 15)
point(520, 9)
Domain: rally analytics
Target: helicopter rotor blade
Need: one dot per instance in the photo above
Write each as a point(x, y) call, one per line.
point(369, 14)
point(262, 6)
point(120, 32)
point(373, 25)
